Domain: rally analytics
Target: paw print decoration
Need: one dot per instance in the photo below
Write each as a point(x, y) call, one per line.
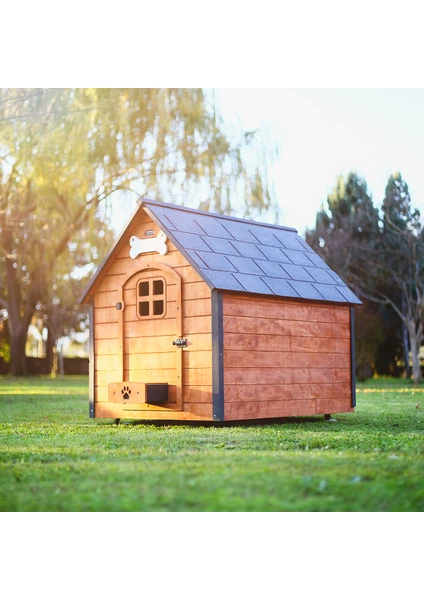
point(126, 392)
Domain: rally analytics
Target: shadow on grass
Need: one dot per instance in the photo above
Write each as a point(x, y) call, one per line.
point(217, 424)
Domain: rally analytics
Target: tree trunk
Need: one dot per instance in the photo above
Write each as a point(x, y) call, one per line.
point(61, 364)
point(405, 341)
point(18, 323)
point(55, 363)
point(406, 351)
point(415, 342)
point(17, 352)
point(49, 351)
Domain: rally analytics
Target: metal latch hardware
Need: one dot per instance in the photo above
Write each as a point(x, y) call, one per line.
point(180, 342)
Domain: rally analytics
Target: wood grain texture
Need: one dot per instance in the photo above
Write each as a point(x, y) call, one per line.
point(202, 325)
point(267, 410)
point(333, 405)
point(274, 410)
point(281, 360)
point(193, 291)
point(198, 307)
point(107, 410)
point(136, 392)
point(195, 377)
point(104, 331)
point(108, 283)
point(144, 346)
point(294, 391)
point(105, 347)
point(285, 358)
point(109, 362)
point(102, 394)
point(196, 394)
point(105, 315)
point(148, 345)
point(197, 359)
point(106, 299)
point(150, 361)
point(103, 378)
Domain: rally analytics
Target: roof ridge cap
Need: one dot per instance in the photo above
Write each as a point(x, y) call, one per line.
point(206, 213)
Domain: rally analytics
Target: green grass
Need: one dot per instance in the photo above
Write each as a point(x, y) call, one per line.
point(54, 458)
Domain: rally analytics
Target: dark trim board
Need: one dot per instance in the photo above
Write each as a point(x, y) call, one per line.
point(217, 357)
point(352, 355)
point(91, 362)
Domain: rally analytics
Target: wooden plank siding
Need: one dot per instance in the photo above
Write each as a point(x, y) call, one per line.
point(196, 327)
point(284, 357)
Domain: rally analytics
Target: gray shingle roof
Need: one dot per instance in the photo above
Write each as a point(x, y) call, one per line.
point(239, 255)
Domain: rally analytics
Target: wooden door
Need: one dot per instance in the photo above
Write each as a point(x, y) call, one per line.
point(151, 322)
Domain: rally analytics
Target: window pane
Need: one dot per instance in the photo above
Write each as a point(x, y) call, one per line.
point(143, 288)
point(158, 307)
point(143, 309)
point(157, 287)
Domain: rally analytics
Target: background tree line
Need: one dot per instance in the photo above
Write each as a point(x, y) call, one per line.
point(379, 252)
point(66, 158)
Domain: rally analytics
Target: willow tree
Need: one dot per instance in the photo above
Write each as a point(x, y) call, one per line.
point(65, 154)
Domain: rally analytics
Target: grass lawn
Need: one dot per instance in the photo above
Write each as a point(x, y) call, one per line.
point(54, 458)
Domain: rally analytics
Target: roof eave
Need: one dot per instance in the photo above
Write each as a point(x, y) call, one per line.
point(85, 296)
point(142, 203)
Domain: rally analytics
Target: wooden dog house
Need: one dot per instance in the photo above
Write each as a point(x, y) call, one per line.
point(198, 316)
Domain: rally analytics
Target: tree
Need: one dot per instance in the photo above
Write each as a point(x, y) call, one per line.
point(64, 155)
point(398, 262)
point(351, 215)
point(63, 318)
point(4, 340)
point(349, 224)
point(57, 308)
point(369, 334)
point(380, 253)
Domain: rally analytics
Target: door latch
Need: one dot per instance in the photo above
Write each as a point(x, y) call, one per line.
point(180, 342)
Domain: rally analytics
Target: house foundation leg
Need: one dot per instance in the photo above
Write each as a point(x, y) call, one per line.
point(327, 417)
point(117, 421)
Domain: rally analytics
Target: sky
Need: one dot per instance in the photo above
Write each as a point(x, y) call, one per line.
point(324, 133)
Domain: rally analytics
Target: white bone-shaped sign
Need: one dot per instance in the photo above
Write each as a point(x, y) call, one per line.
point(156, 244)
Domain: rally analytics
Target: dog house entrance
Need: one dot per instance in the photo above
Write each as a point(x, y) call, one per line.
point(151, 321)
